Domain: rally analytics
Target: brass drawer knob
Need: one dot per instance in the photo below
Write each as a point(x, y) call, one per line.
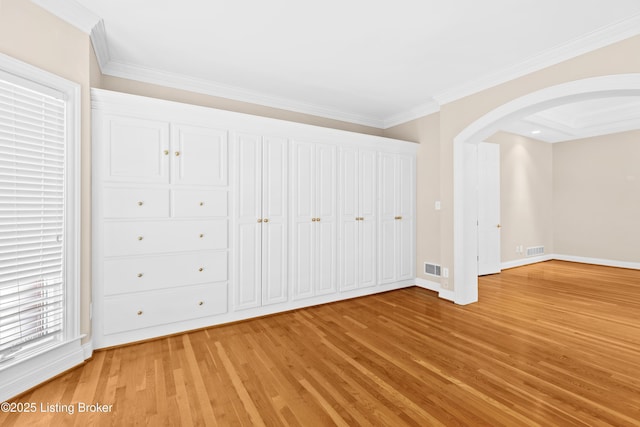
point(266, 220)
point(201, 269)
point(201, 203)
point(259, 219)
point(398, 217)
point(201, 235)
point(166, 152)
point(201, 303)
point(177, 153)
point(313, 220)
point(140, 203)
point(140, 274)
point(140, 237)
point(139, 312)
point(318, 219)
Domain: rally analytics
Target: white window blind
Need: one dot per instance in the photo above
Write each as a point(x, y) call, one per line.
point(32, 218)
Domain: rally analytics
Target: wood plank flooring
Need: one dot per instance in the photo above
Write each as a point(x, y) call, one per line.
point(553, 344)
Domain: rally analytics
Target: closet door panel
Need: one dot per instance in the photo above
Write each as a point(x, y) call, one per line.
point(348, 212)
point(199, 156)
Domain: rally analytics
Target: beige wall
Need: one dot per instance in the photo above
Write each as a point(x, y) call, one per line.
point(526, 194)
point(597, 197)
point(62, 50)
point(618, 58)
point(426, 131)
point(154, 91)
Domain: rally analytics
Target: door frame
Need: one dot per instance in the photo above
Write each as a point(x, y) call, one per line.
point(465, 237)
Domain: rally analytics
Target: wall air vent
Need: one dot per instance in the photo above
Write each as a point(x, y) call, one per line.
point(535, 251)
point(432, 269)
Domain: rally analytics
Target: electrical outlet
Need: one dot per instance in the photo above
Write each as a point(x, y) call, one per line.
point(445, 272)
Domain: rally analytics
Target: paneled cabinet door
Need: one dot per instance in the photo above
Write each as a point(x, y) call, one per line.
point(396, 237)
point(135, 150)
point(357, 213)
point(199, 156)
point(261, 275)
point(314, 222)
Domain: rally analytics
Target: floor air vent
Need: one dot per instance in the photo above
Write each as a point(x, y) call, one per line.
point(432, 269)
point(536, 250)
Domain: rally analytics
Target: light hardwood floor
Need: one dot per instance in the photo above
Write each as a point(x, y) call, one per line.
point(553, 344)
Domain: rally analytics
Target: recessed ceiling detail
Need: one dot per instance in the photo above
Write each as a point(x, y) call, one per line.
point(376, 63)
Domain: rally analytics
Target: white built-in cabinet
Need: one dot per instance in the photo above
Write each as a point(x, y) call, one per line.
point(314, 211)
point(261, 220)
point(202, 216)
point(358, 224)
point(396, 179)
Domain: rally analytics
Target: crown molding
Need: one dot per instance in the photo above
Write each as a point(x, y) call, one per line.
point(72, 12)
point(421, 110)
point(594, 40)
point(208, 87)
point(98, 37)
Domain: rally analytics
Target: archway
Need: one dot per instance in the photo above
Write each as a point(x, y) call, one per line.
point(464, 194)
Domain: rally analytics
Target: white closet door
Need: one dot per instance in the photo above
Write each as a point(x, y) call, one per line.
point(302, 209)
point(405, 226)
point(249, 230)
point(199, 156)
point(349, 225)
point(367, 235)
point(387, 251)
point(274, 225)
point(327, 219)
point(136, 150)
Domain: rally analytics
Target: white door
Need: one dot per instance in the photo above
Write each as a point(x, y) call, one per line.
point(405, 195)
point(349, 220)
point(137, 150)
point(274, 222)
point(367, 225)
point(387, 250)
point(303, 229)
point(326, 208)
point(199, 156)
point(248, 221)
point(488, 208)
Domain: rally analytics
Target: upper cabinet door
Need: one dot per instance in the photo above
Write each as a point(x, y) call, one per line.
point(199, 156)
point(136, 150)
point(388, 185)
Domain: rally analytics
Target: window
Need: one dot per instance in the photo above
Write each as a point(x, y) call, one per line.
point(39, 231)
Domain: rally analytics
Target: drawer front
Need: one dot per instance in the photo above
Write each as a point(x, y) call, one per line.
point(155, 237)
point(199, 203)
point(135, 203)
point(149, 273)
point(137, 311)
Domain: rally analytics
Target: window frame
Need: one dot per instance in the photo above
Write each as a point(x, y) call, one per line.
point(31, 369)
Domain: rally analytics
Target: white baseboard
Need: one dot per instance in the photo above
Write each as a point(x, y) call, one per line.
point(526, 261)
point(598, 261)
point(87, 350)
point(434, 286)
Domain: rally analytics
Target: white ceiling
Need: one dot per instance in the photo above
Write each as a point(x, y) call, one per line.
point(579, 120)
point(373, 62)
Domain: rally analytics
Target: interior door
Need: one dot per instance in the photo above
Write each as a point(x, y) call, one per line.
point(274, 223)
point(326, 189)
point(367, 209)
point(387, 251)
point(348, 212)
point(488, 208)
point(405, 194)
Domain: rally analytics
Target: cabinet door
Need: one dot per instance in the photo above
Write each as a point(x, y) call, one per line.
point(367, 227)
point(326, 268)
point(348, 182)
point(248, 229)
point(303, 229)
point(135, 150)
point(199, 156)
point(387, 253)
point(405, 227)
point(274, 225)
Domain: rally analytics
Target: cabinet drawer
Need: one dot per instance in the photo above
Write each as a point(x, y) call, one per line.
point(155, 237)
point(135, 203)
point(137, 311)
point(125, 275)
point(199, 203)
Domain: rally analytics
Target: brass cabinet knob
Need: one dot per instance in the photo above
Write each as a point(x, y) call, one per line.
point(313, 220)
point(177, 153)
point(259, 219)
point(140, 274)
point(139, 312)
point(498, 226)
point(318, 219)
point(140, 203)
point(266, 220)
point(201, 203)
point(398, 217)
point(201, 269)
point(201, 303)
point(140, 237)
point(201, 235)
point(166, 152)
